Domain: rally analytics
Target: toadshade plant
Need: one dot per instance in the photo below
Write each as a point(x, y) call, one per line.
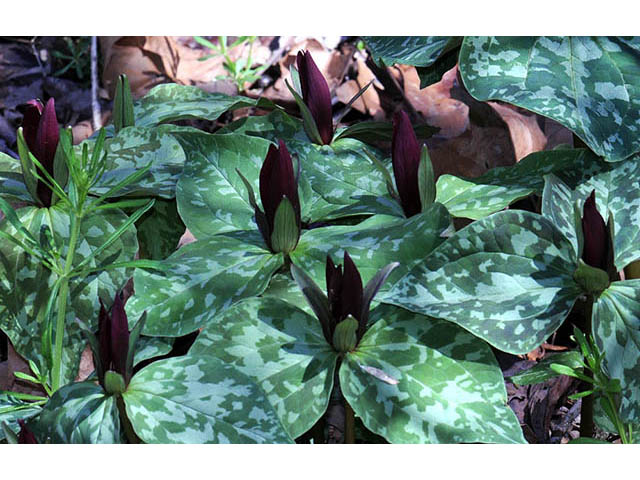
point(400, 372)
point(325, 268)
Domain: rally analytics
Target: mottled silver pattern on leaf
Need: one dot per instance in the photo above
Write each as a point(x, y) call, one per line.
point(507, 278)
point(449, 387)
point(616, 327)
point(591, 85)
point(200, 399)
point(282, 349)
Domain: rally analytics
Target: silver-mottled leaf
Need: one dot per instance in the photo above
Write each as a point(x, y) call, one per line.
point(79, 413)
point(588, 84)
point(373, 244)
point(200, 399)
point(448, 386)
point(201, 279)
point(283, 350)
point(616, 327)
point(507, 278)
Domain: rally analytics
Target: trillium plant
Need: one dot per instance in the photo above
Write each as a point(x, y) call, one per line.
point(327, 273)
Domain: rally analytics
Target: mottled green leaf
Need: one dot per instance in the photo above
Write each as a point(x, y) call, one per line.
point(588, 84)
point(447, 388)
point(417, 51)
point(282, 349)
point(211, 196)
point(134, 148)
point(274, 126)
point(507, 278)
point(616, 327)
point(25, 284)
point(559, 206)
point(344, 177)
point(172, 102)
point(476, 198)
point(616, 187)
point(373, 244)
point(12, 186)
point(159, 230)
point(79, 413)
point(542, 372)
point(283, 287)
point(151, 347)
point(201, 279)
point(200, 399)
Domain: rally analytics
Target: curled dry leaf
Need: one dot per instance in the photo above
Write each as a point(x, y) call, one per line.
point(369, 101)
point(526, 135)
point(186, 238)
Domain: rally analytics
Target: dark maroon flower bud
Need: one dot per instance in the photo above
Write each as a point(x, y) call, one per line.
point(316, 95)
point(113, 340)
point(344, 311)
point(405, 157)
point(25, 435)
point(42, 140)
point(277, 182)
point(30, 122)
point(344, 290)
point(596, 238)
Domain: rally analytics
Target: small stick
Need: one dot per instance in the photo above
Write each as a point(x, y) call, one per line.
point(95, 104)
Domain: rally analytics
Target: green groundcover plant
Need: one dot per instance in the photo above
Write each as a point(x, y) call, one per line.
point(324, 267)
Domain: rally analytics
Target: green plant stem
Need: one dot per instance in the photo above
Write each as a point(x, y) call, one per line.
point(618, 423)
point(349, 424)
point(586, 410)
point(62, 301)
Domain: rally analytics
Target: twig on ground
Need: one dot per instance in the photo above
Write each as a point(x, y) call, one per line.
point(95, 104)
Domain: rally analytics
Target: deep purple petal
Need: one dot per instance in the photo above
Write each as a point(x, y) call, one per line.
point(119, 336)
point(595, 252)
point(334, 288)
point(351, 294)
point(45, 148)
point(277, 180)
point(25, 435)
point(104, 340)
point(316, 95)
point(48, 136)
point(30, 122)
point(405, 156)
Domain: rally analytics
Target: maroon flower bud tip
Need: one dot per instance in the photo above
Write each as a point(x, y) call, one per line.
point(405, 157)
point(334, 287)
point(48, 136)
point(277, 181)
point(316, 95)
point(30, 122)
point(104, 340)
point(594, 229)
point(25, 435)
point(333, 276)
point(119, 336)
point(351, 289)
